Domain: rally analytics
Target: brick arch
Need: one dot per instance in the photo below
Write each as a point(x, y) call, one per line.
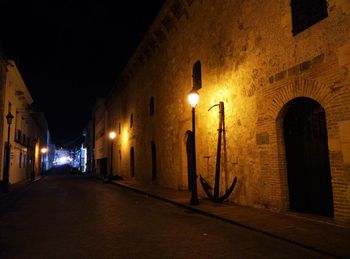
point(276, 110)
point(298, 88)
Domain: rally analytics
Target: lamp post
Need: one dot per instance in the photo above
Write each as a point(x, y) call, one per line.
point(193, 98)
point(43, 152)
point(112, 135)
point(32, 176)
point(9, 118)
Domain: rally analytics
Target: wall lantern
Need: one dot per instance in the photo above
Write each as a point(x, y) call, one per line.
point(9, 118)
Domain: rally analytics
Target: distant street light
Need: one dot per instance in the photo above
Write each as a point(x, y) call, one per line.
point(112, 136)
point(32, 176)
point(193, 98)
point(9, 118)
point(43, 152)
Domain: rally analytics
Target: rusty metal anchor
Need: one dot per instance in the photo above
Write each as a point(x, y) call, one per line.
point(206, 186)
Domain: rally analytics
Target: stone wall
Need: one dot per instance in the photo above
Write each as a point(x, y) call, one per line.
point(252, 62)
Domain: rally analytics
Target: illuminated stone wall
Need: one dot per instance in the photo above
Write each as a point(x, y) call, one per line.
point(100, 136)
point(252, 62)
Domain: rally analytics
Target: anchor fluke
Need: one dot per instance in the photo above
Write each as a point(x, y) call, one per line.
point(206, 187)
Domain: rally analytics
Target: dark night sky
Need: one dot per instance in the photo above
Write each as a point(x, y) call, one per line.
point(70, 52)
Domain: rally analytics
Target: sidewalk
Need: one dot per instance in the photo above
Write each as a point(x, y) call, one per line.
point(18, 187)
point(309, 233)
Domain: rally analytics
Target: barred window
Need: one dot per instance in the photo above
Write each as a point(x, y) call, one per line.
point(306, 13)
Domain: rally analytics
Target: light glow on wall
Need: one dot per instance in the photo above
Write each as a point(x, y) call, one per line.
point(222, 95)
point(125, 136)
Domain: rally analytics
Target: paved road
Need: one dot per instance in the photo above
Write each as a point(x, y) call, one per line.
point(69, 216)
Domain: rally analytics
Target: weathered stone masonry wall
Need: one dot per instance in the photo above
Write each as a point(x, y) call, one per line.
point(250, 61)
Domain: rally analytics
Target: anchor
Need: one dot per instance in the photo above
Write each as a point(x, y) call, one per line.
point(206, 186)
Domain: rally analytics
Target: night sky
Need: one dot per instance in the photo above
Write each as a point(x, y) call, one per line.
point(70, 52)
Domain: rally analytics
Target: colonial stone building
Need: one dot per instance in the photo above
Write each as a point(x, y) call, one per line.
point(281, 68)
point(28, 131)
point(99, 135)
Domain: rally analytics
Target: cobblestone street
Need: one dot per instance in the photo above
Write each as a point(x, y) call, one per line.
point(69, 216)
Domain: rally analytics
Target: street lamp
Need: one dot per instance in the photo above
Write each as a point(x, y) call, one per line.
point(32, 176)
point(43, 152)
point(9, 118)
point(112, 136)
point(193, 98)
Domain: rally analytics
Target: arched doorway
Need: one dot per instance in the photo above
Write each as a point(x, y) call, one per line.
point(154, 161)
point(190, 157)
point(308, 168)
point(132, 162)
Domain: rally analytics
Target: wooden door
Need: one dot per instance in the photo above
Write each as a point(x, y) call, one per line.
point(306, 144)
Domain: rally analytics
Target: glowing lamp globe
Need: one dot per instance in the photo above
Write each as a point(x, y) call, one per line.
point(9, 118)
point(112, 135)
point(193, 98)
point(44, 150)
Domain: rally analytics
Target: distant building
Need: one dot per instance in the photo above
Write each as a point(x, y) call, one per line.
point(28, 131)
point(51, 154)
point(89, 144)
point(100, 136)
point(281, 68)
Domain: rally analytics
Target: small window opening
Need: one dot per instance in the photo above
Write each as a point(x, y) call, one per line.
point(197, 75)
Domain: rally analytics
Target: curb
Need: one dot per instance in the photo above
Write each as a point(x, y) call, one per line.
point(236, 223)
point(20, 188)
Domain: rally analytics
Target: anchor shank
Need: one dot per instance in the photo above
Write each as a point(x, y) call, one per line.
point(218, 153)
